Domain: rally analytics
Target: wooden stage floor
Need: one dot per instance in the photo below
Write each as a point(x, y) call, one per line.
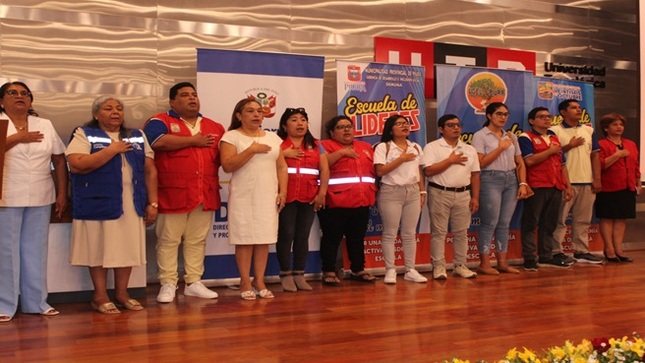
point(357, 322)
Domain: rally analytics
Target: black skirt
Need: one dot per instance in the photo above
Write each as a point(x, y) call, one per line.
point(616, 205)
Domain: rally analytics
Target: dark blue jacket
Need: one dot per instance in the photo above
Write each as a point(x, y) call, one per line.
point(98, 195)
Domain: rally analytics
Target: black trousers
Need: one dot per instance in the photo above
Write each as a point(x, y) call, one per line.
point(336, 223)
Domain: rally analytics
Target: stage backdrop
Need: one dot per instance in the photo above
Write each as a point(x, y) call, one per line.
point(369, 93)
point(465, 92)
point(276, 81)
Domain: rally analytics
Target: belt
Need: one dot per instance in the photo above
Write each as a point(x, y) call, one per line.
point(449, 189)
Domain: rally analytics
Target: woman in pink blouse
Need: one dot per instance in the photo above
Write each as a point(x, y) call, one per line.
point(620, 184)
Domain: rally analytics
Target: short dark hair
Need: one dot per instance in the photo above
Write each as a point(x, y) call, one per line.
point(3, 90)
point(565, 104)
point(441, 122)
point(608, 119)
point(534, 112)
point(331, 124)
point(175, 89)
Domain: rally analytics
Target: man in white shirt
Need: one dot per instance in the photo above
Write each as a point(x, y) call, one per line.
point(452, 168)
point(580, 145)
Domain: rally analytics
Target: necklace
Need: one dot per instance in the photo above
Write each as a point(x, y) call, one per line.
point(21, 128)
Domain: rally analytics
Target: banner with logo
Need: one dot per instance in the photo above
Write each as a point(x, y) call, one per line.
point(277, 81)
point(465, 92)
point(369, 93)
point(549, 92)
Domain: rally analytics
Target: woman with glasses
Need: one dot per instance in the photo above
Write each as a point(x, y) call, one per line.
point(307, 166)
point(32, 146)
point(350, 194)
point(621, 182)
point(502, 166)
point(401, 195)
point(257, 193)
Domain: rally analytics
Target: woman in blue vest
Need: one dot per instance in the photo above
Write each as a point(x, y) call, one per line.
point(114, 196)
point(306, 189)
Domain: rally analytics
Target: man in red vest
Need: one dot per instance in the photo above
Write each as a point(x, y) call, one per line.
point(187, 159)
point(547, 176)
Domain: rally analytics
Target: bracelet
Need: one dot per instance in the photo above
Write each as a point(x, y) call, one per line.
point(523, 183)
point(423, 192)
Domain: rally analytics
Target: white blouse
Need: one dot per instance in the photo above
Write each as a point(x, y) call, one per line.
point(27, 177)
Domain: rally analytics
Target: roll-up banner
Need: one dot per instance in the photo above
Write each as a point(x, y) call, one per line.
point(369, 93)
point(277, 81)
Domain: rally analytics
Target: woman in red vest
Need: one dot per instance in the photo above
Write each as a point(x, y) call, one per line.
point(351, 193)
point(621, 182)
point(307, 168)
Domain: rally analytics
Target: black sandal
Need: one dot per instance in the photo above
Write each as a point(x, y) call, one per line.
point(362, 276)
point(330, 279)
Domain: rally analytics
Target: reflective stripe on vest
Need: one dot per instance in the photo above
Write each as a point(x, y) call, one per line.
point(95, 139)
point(307, 171)
point(352, 180)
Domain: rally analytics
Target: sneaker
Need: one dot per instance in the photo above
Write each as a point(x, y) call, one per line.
point(439, 272)
point(565, 258)
point(530, 265)
point(554, 262)
point(587, 258)
point(166, 293)
point(198, 289)
point(414, 276)
point(390, 276)
point(463, 271)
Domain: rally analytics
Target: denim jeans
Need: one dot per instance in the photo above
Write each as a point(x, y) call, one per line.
point(23, 259)
point(497, 201)
point(399, 206)
point(293, 232)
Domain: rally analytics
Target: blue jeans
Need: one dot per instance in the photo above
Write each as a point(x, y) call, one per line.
point(23, 259)
point(497, 201)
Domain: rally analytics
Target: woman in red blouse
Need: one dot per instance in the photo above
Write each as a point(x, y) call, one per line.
point(620, 184)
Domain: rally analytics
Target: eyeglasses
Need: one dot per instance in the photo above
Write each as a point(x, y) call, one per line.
point(544, 117)
point(407, 122)
point(501, 114)
point(452, 125)
point(344, 127)
point(299, 109)
point(15, 93)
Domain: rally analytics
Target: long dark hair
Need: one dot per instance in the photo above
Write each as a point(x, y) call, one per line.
point(239, 106)
point(124, 132)
point(309, 140)
point(3, 91)
point(490, 110)
point(387, 135)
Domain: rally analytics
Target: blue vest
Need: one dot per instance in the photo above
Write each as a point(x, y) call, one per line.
point(98, 195)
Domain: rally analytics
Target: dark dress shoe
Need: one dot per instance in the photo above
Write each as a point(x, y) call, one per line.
point(624, 258)
point(612, 259)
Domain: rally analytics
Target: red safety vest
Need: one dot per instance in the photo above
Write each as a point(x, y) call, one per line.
point(188, 177)
point(351, 181)
point(303, 173)
point(547, 174)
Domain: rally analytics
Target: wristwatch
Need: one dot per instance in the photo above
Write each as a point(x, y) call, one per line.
point(154, 205)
